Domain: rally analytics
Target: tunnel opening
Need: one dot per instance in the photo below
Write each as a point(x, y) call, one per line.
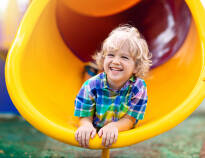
point(164, 24)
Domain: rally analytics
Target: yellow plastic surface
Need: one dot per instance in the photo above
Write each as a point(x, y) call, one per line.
point(98, 8)
point(43, 77)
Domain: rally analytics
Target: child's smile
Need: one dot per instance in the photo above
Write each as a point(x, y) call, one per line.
point(116, 69)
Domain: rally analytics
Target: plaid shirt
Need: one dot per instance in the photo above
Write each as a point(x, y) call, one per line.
point(97, 99)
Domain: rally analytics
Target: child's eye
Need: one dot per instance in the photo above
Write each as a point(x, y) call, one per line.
point(124, 57)
point(110, 55)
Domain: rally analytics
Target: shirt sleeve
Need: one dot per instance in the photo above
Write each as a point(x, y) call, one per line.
point(138, 102)
point(85, 102)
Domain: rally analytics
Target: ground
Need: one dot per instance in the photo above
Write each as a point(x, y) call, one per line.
point(18, 139)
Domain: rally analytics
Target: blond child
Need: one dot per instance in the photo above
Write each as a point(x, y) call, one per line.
point(114, 100)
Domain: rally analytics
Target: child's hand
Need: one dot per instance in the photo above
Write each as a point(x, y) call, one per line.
point(109, 134)
point(83, 134)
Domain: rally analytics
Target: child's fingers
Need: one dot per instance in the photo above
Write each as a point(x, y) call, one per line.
point(115, 137)
point(112, 136)
point(100, 132)
point(79, 137)
point(76, 135)
point(87, 138)
point(104, 137)
point(93, 133)
point(83, 139)
point(107, 141)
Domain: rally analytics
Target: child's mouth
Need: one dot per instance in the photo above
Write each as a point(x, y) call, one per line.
point(115, 69)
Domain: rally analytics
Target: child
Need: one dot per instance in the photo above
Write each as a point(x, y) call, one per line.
point(114, 100)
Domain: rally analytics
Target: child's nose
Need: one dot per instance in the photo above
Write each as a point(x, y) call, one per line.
point(116, 60)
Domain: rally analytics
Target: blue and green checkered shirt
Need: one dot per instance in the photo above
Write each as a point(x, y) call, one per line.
point(97, 99)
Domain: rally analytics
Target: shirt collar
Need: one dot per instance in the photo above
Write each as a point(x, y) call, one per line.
point(132, 79)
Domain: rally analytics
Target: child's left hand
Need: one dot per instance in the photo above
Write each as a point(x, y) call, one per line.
point(109, 134)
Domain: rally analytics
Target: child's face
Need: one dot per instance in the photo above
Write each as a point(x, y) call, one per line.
point(119, 67)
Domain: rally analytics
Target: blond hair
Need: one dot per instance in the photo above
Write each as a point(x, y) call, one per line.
point(137, 47)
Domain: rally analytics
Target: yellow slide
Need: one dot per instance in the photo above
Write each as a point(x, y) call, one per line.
point(43, 75)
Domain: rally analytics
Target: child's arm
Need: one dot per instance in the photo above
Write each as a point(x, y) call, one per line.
point(85, 121)
point(125, 123)
point(85, 131)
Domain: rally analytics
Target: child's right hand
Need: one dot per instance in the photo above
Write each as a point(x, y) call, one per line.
point(83, 134)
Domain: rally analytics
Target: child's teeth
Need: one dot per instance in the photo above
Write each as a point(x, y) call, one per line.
point(115, 69)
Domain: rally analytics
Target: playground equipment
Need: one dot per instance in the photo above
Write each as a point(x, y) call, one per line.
point(44, 72)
